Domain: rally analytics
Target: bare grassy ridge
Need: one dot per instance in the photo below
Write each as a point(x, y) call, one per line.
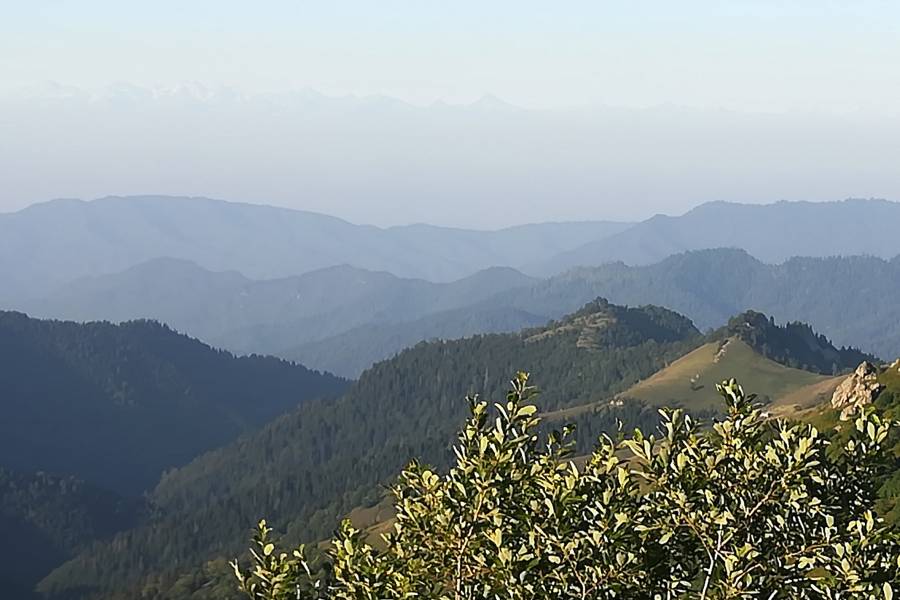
point(689, 382)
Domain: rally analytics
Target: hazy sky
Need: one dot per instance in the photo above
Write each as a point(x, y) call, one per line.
point(753, 54)
point(798, 57)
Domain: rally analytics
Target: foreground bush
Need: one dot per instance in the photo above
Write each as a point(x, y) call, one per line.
point(752, 507)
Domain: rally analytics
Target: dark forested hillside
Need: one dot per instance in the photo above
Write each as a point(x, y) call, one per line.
point(118, 404)
point(45, 519)
point(308, 468)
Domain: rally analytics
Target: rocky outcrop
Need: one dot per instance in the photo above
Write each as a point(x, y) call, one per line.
point(858, 390)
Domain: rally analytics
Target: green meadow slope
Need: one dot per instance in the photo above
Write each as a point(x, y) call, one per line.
point(690, 381)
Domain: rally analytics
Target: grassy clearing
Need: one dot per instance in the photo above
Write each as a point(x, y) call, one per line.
point(690, 382)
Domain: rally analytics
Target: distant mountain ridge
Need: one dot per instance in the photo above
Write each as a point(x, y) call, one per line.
point(772, 233)
point(344, 319)
point(364, 153)
point(51, 244)
point(849, 299)
point(48, 245)
point(268, 316)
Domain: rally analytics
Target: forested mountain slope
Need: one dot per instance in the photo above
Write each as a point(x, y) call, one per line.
point(45, 519)
point(307, 469)
point(118, 404)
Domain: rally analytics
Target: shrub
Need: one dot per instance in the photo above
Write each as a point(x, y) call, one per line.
point(749, 507)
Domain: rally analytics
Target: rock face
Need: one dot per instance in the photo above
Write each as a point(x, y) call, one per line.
point(858, 390)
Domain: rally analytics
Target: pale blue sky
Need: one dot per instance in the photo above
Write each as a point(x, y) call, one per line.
point(759, 55)
point(634, 91)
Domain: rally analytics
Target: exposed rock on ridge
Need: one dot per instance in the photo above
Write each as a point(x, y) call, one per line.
point(857, 391)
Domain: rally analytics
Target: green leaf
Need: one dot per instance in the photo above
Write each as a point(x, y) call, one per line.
point(527, 411)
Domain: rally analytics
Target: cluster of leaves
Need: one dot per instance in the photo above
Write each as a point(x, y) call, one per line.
point(887, 403)
point(751, 507)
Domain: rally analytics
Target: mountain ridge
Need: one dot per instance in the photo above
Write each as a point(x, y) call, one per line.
point(229, 310)
point(357, 323)
point(712, 285)
point(80, 238)
point(771, 232)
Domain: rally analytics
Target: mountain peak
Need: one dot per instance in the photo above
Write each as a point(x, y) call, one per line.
point(491, 102)
point(600, 323)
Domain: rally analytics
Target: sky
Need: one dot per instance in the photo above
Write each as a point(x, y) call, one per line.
point(804, 59)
